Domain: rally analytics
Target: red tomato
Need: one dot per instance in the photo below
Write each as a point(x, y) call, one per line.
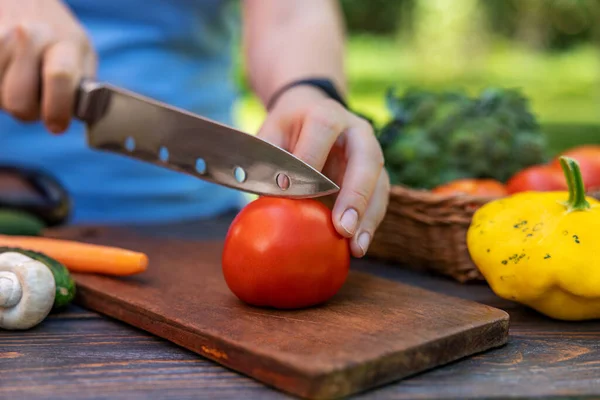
point(588, 158)
point(285, 253)
point(476, 187)
point(540, 178)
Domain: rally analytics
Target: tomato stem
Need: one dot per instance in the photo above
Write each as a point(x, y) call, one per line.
point(577, 197)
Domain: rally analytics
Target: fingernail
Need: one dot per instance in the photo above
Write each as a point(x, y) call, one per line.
point(363, 242)
point(54, 128)
point(349, 220)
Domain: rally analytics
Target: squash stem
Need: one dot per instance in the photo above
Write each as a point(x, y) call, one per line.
point(569, 177)
point(577, 197)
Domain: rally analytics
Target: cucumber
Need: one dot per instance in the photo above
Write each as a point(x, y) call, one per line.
point(16, 222)
point(65, 285)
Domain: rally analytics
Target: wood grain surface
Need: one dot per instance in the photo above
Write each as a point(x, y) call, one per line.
point(78, 354)
point(372, 332)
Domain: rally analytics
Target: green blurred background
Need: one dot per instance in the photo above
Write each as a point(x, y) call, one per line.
point(547, 48)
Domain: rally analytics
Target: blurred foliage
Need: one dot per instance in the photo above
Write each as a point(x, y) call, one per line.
point(552, 24)
point(377, 16)
point(546, 48)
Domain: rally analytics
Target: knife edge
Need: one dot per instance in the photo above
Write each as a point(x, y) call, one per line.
point(114, 115)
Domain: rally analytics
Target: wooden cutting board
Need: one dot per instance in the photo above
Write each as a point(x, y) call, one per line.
point(372, 332)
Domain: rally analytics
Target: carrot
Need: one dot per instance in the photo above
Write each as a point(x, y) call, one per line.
point(82, 257)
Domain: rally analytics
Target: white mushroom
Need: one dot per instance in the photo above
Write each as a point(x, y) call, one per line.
point(27, 291)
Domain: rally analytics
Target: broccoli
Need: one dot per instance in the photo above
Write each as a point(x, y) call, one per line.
point(433, 138)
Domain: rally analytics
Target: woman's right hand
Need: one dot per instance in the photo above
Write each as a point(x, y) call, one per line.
point(42, 46)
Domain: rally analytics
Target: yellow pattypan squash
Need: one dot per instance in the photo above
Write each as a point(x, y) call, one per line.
point(542, 249)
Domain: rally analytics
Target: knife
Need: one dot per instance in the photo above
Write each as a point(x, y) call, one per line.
point(123, 122)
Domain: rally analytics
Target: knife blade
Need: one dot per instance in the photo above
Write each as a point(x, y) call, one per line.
point(129, 124)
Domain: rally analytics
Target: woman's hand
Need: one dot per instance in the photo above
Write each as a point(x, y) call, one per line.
point(325, 135)
point(42, 47)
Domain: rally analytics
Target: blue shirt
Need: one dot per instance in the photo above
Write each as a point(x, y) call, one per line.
point(176, 51)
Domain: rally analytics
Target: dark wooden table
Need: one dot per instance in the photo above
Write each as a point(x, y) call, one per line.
point(84, 355)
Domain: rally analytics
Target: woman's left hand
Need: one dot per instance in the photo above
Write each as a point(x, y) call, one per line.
point(341, 145)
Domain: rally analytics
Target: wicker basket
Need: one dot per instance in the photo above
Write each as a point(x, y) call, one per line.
point(427, 231)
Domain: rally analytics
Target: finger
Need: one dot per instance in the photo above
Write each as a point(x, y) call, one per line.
point(90, 63)
point(373, 216)
point(320, 130)
point(365, 163)
point(6, 48)
point(63, 68)
point(270, 131)
point(20, 86)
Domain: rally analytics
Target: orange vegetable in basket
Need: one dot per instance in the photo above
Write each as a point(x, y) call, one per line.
point(588, 158)
point(475, 187)
point(549, 177)
point(538, 178)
